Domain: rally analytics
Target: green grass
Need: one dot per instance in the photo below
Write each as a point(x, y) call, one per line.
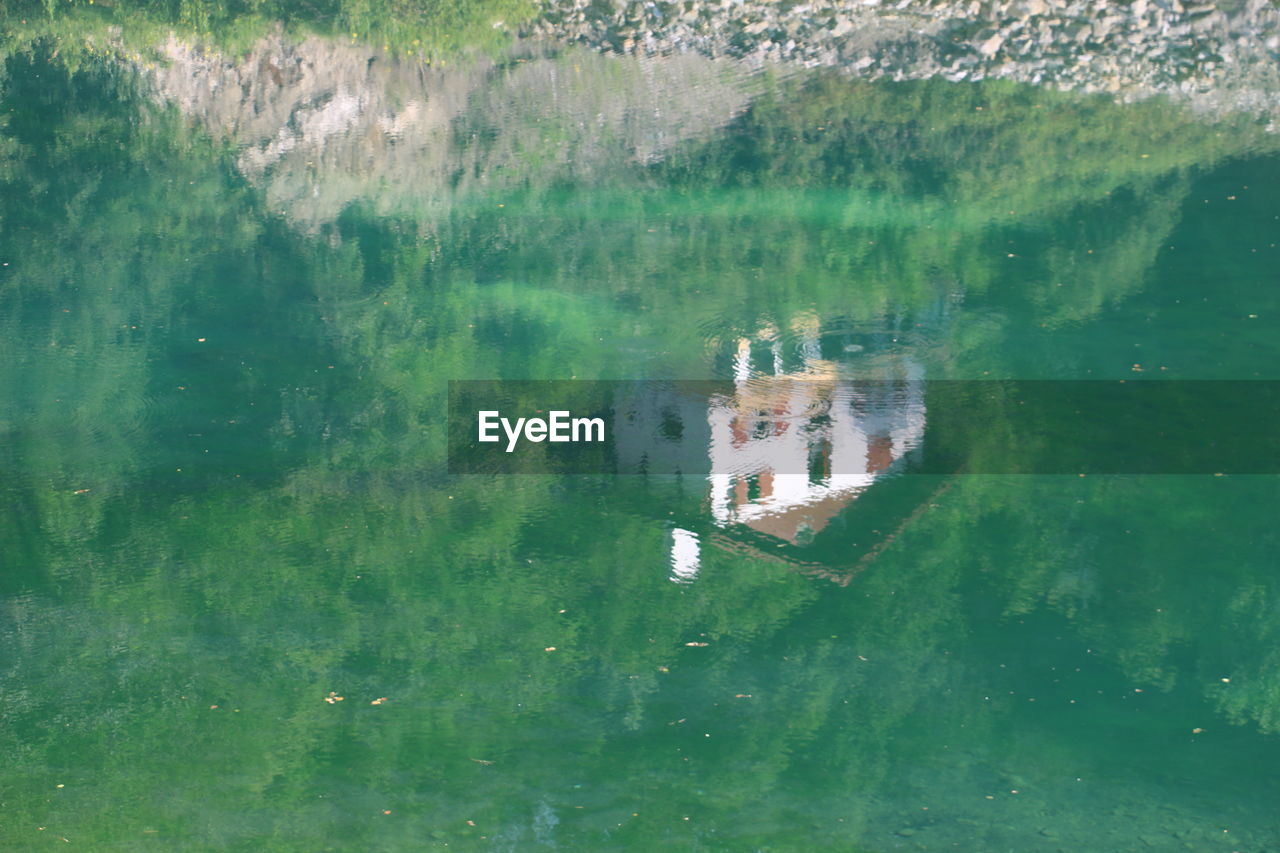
point(433, 29)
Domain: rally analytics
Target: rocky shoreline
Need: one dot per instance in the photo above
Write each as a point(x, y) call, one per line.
point(1220, 57)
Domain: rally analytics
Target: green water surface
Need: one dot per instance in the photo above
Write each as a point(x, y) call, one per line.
point(243, 606)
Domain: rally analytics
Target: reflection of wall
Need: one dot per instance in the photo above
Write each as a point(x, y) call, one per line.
point(320, 123)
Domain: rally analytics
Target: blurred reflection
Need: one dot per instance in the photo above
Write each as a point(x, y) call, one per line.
point(794, 446)
point(223, 490)
point(320, 123)
point(802, 435)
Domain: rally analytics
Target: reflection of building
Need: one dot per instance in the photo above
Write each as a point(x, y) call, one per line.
point(797, 441)
point(792, 448)
point(787, 467)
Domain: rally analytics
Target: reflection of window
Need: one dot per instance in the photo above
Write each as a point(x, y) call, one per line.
point(819, 462)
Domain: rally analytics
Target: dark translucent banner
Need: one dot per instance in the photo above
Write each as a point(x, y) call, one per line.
point(849, 431)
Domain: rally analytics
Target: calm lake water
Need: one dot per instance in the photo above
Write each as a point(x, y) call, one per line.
point(244, 606)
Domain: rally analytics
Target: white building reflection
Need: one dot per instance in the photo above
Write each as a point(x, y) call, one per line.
point(793, 447)
point(801, 436)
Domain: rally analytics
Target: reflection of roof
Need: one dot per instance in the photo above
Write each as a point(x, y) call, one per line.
point(791, 522)
point(734, 541)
